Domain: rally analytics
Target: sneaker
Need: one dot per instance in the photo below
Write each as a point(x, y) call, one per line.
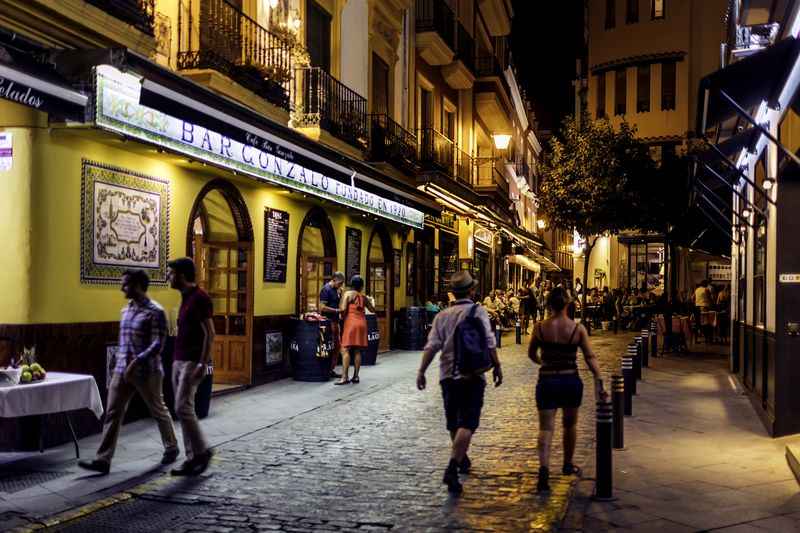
point(543, 485)
point(95, 466)
point(465, 465)
point(170, 456)
point(451, 478)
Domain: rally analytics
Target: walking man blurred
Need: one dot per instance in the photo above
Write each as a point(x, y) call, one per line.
point(192, 355)
point(137, 368)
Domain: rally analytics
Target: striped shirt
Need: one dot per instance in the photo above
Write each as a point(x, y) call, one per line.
point(142, 332)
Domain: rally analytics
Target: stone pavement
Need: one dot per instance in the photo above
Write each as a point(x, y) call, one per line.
point(314, 457)
point(697, 459)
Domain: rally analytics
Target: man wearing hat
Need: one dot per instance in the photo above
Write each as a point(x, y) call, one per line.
point(462, 394)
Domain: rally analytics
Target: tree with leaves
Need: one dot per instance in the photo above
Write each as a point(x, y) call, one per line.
point(593, 179)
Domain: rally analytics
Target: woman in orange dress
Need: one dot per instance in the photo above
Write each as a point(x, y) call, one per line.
point(354, 332)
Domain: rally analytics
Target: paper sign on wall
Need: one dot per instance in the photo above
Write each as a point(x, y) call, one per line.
point(6, 152)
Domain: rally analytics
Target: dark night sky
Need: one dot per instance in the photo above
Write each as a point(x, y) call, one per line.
point(546, 38)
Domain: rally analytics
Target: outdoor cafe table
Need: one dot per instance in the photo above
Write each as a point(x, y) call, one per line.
point(680, 324)
point(58, 393)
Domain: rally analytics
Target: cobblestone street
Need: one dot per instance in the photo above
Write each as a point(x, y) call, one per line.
point(371, 462)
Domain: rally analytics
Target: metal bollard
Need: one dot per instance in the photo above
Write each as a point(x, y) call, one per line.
point(645, 348)
point(640, 353)
point(654, 338)
point(603, 460)
point(519, 332)
point(629, 383)
point(618, 402)
point(633, 351)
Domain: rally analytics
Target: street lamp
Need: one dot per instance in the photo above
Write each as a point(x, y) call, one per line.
point(541, 224)
point(501, 140)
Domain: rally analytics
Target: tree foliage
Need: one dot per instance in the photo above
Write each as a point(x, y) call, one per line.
point(593, 178)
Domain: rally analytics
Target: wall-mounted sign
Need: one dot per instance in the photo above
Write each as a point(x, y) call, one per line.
point(118, 109)
point(445, 220)
point(276, 245)
point(6, 151)
point(273, 343)
point(352, 253)
point(483, 235)
point(789, 278)
point(32, 90)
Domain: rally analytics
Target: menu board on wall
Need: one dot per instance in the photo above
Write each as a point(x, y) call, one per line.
point(276, 245)
point(411, 270)
point(398, 260)
point(352, 254)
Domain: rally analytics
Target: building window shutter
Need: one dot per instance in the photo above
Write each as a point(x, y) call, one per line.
point(643, 88)
point(658, 9)
point(632, 12)
point(318, 35)
point(611, 14)
point(668, 85)
point(620, 91)
point(601, 95)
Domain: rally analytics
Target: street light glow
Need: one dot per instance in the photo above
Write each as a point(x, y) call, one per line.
point(501, 140)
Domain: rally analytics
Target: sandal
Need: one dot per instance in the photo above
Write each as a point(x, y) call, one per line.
point(345, 382)
point(355, 380)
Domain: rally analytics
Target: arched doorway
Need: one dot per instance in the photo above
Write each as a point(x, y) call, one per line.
point(380, 284)
point(316, 258)
point(220, 239)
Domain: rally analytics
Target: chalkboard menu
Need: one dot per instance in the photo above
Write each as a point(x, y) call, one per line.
point(276, 245)
point(352, 255)
point(398, 261)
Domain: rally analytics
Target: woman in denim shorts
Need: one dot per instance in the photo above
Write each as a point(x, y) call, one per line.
point(559, 385)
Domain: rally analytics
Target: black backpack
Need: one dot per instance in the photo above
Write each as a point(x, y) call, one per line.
point(471, 347)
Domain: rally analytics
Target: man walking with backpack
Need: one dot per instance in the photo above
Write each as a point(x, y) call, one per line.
point(463, 337)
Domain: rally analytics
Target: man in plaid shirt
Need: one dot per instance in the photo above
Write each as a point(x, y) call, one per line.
point(137, 367)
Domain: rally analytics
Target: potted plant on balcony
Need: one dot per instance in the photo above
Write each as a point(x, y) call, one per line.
point(267, 80)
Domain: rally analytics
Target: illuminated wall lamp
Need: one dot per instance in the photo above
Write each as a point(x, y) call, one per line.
point(745, 213)
point(768, 183)
point(541, 224)
point(501, 140)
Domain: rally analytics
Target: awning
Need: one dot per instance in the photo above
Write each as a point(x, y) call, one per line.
point(27, 82)
point(749, 82)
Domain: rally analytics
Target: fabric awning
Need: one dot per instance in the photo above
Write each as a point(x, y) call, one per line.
point(750, 81)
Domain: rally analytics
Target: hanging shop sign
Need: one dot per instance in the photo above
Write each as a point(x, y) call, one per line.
point(118, 109)
point(445, 220)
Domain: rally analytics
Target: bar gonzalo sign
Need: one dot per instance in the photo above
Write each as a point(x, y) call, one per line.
point(118, 109)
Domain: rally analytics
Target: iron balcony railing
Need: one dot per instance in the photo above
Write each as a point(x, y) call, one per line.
point(465, 47)
point(322, 100)
point(391, 142)
point(215, 34)
point(756, 36)
point(465, 167)
point(437, 152)
point(489, 173)
point(436, 16)
point(140, 14)
point(487, 65)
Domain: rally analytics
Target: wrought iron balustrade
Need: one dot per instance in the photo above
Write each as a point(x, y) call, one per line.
point(465, 167)
point(437, 152)
point(487, 65)
point(215, 34)
point(489, 173)
point(391, 142)
point(322, 100)
point(140, 14)
point(436, 16)
point(756, 36)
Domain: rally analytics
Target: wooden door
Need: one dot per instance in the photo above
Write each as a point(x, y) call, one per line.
point(380, 284)
point(314, 273)
point(225, 271)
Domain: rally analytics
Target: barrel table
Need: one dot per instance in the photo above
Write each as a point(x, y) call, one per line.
point(304, 354)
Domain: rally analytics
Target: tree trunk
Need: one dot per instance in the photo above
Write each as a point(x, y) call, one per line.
point(588, 256)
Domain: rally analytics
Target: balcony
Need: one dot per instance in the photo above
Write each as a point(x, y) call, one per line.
point(436, 26)
point(392, 143)
point(436, 151)
point(140, 14)
point(224, 39)
point(464, 168)
point(750, 39)
point(320, 100)
point(460, 74)
point(490, 179)
point(497, 17)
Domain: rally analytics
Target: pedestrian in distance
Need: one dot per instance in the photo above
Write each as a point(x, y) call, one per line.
point(354, 332)
point(559, 386)
point(137, 368)
point(463, 338)
point(192, 355)
point(330, 296)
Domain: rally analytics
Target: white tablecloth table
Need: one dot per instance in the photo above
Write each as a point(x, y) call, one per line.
point(59, 392)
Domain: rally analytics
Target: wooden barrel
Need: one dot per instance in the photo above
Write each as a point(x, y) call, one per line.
point(304, 337)
point(412, 329)
point(370, 355)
